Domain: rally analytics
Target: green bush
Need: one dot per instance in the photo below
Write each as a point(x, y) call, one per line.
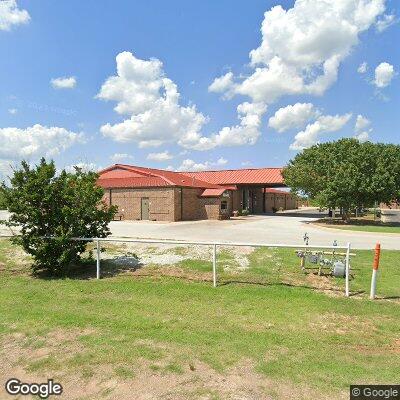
point(46, 204)
point(245, 212)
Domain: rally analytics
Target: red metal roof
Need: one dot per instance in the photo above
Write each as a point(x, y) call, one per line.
point(255, 176)
point(121, 175)
point(108, 183)
point(213, 192)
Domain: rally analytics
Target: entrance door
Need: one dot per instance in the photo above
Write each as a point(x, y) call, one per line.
point(145, 208)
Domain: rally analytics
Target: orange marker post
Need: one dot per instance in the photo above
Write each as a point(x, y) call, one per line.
point(375, 270)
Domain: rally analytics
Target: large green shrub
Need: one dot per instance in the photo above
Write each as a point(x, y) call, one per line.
point(44, 203)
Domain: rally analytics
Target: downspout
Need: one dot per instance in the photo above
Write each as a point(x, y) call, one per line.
point(110, 197)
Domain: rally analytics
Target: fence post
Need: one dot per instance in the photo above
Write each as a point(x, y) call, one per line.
point(215, 265)
point(98, 259)
point(348, 270)
point(375, 271)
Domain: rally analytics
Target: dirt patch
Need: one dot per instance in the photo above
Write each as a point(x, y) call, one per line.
point(392, 348)
point(143, 380)
point(175, 272)
point(195, 380)
point(341, 324)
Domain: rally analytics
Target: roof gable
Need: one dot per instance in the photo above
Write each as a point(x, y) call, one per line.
point(135, 175)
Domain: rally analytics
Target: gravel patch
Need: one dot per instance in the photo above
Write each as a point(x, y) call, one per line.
point(141, 254)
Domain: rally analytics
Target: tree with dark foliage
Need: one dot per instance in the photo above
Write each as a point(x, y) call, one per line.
point(46, 204)
point(346, 174)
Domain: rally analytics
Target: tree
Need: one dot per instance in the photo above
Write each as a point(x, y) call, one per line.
point(46, 204)
point(2, 200)
point(346, 173)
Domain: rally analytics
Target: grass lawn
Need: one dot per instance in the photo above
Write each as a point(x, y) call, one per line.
point(366, 228)
point(147, 331)
point(362, 224)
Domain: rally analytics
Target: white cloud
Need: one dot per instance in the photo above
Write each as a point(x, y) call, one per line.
point(151, 100)
point(12, 111)
point(293, 116)
point(245, 133)
point(362, 136)
point(6, 167)
point(384, 73)
point(312, 132)
point(383, 23)
point(222, 161)
point(361, 123)
point(361, 128)
point(302, 48)
point(117, 157)
point(11, 15)
point(190, 165)
point(223, 84)
point(246, 163)
point(35, 141)
point(63, 83)
point(363, 67)
point(164, 156)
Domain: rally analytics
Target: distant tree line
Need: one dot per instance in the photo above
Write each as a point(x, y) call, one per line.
point(346, 174)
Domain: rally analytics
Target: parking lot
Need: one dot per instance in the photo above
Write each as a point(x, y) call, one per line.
point(286, 227)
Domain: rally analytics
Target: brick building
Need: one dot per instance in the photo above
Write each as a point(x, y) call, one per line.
point(159, 195)
point(279, 200)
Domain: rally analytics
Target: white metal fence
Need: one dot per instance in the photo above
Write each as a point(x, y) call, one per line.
point(214, 247)
point(214, 253)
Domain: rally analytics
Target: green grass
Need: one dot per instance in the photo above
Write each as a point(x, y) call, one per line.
point(365, 223)
point(367, 228)
point(290, 333)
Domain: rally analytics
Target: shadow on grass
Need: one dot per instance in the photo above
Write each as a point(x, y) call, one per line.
point(86, 269)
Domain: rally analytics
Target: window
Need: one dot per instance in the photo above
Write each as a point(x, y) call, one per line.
point(224, 205)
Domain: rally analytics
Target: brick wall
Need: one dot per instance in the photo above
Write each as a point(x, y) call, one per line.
point(166, 204)
point(393, 206)
point(196, 207)
point(237, 200)
point(257, 200)
point(284, 201)
point(129, 201)
point(269, 202)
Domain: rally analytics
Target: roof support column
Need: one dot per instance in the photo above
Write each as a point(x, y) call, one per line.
point(263, 205)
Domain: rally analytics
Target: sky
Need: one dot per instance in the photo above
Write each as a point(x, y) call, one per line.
point(194, 85)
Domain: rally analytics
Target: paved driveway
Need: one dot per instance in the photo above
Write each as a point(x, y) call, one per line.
point(277, 228)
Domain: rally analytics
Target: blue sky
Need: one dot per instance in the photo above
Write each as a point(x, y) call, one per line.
point(196, 42)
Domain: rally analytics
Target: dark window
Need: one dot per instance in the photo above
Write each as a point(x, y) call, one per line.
point(224, 205)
